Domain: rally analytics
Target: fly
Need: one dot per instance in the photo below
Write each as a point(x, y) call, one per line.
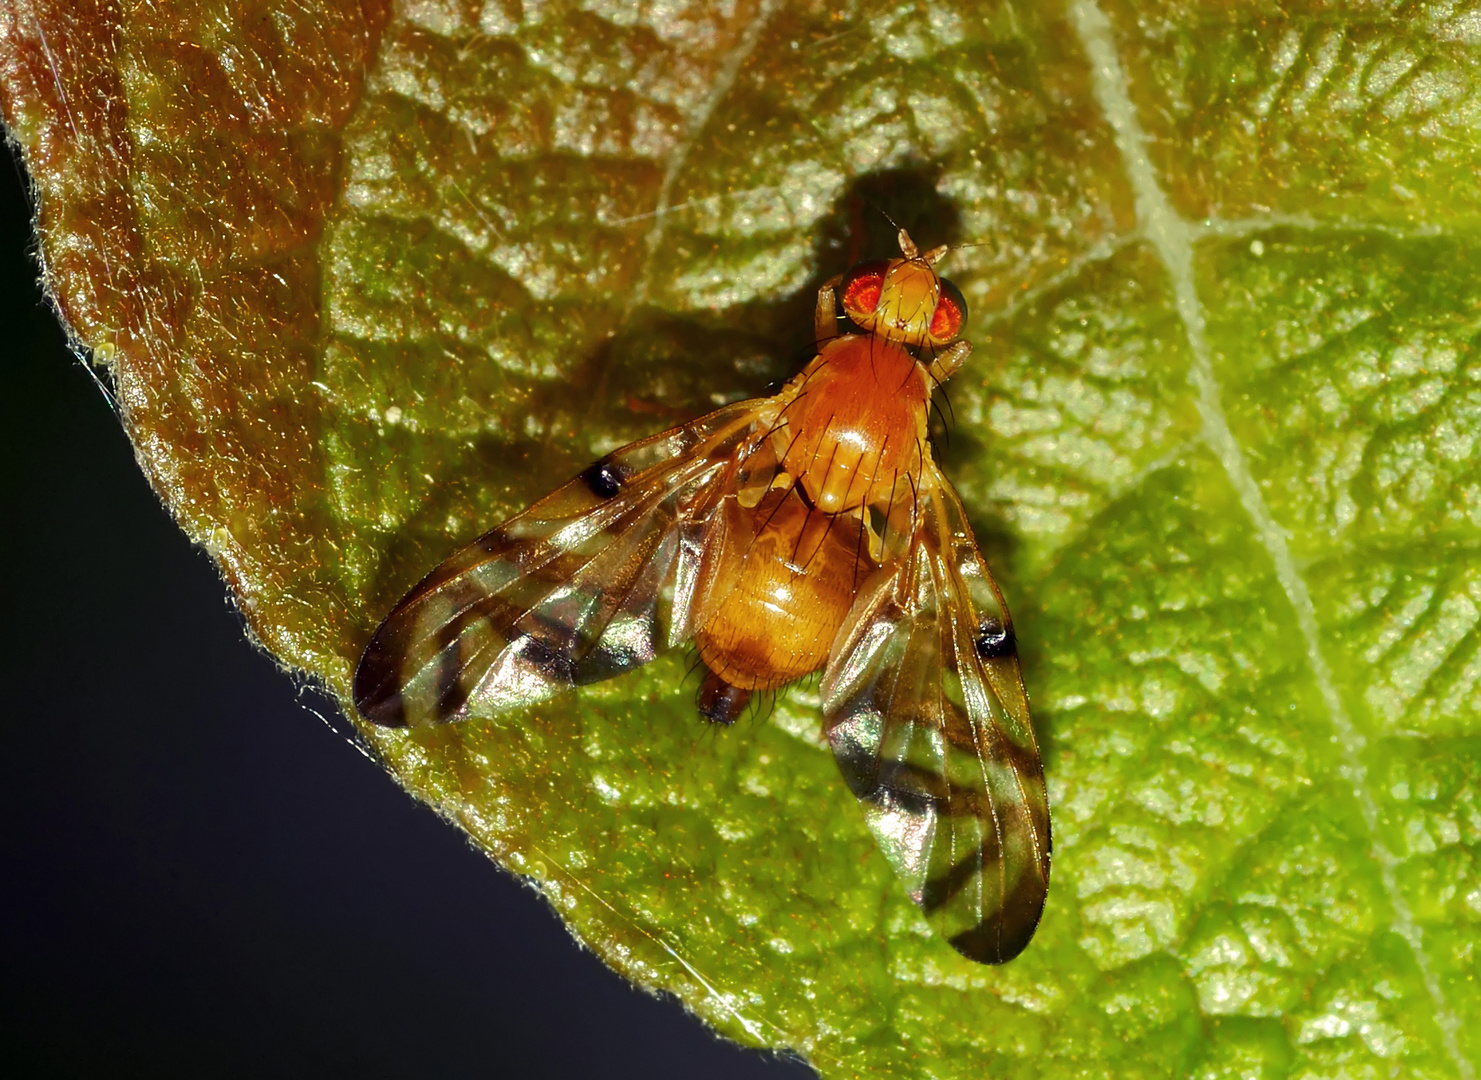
point(807, 531)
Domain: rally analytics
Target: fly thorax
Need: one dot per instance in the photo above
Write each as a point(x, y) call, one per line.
point(858, 423)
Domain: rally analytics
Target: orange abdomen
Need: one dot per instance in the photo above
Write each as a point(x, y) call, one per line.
point(782, 596)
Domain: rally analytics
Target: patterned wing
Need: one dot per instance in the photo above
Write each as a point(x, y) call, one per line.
point(928, 720)
point(596, 578)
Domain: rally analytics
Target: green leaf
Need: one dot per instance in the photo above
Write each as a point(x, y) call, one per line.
point(369, 282)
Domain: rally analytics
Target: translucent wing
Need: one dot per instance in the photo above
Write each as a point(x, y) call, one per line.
point(596, 578)
point(928, 720)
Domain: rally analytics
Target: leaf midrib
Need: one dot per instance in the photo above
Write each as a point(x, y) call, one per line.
point(1169, 236)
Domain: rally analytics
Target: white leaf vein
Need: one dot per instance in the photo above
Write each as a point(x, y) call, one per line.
point(1172, 239)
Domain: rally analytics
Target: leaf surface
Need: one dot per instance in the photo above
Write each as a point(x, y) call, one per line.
point(370, 279)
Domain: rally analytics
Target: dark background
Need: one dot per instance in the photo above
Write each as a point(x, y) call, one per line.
point(199, 877)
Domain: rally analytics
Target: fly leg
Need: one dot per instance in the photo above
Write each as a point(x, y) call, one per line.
point(825, 316)
point(947, 363)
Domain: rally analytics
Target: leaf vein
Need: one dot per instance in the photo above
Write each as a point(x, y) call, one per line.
point(1171, 237)
point(725, 78)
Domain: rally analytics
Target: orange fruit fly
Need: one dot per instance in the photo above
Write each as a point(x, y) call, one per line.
point(806, 531)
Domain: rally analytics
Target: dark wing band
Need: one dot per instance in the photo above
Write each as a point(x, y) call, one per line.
point(596, 578)
point(928, 720)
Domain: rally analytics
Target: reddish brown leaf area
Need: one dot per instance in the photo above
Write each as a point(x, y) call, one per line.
point(184, 158)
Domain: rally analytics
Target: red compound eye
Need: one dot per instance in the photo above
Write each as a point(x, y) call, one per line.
point(862, 290)
point(950, 314)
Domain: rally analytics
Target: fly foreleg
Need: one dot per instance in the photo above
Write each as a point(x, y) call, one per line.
point(947, 363)
point(825, 316)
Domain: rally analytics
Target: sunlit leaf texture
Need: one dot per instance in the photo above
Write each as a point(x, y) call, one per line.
point(368, 277)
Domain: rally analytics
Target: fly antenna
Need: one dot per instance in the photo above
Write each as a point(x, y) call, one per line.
point(934, 255)
point(907, 245)
point(884, 214)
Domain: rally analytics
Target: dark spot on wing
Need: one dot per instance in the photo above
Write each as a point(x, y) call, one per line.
point(995, 640)
point(604, 479)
